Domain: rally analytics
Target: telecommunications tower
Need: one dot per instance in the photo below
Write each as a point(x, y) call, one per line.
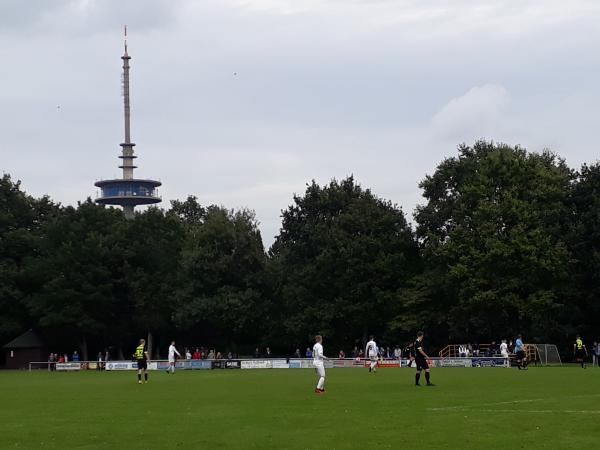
point(128, 191)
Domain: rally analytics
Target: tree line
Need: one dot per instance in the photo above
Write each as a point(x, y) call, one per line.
point(506, 241)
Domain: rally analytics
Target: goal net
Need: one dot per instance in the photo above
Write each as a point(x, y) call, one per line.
point(547, 354)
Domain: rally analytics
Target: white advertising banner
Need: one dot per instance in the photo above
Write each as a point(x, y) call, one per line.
point(68, 366)
point(257, 364)
point(453, 362)
point(280, 364)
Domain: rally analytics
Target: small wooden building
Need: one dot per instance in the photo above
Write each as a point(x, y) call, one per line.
point(24, 349)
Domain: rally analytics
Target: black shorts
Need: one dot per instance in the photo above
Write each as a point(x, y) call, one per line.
point(421, 364)
point(579, 354)
point(520, 354)
point(142, 364)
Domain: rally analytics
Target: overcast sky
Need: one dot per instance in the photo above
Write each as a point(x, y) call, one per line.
point(242, 102)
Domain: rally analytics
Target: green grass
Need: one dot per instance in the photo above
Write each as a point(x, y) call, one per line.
point(261, 409)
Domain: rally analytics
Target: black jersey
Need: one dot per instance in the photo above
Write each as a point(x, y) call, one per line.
point(416, 346)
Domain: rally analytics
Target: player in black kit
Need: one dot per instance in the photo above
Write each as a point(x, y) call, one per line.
point(421, 360)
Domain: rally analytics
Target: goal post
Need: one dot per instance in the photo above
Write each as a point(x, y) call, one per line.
point(548, 354)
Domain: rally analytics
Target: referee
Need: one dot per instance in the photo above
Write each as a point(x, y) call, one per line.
point(141, 356)
point(421, 360)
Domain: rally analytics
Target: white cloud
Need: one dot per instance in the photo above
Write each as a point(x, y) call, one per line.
point(477, 113)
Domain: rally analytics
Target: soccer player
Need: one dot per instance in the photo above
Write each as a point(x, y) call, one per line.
point(520, 352)
point(421, 360)
point(504, 352)
point(580, 351)
point(371, 352)
point(318, 359)
point(172, 352)
point(141, 356)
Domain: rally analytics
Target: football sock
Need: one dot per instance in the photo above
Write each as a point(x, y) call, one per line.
point(146, 376)
point(139, 377)
point(321, 383)
point(427, 377)
point(417, 377)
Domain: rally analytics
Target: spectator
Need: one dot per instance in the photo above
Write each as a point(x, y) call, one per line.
point(493, 348)
point(51, 362)
point(382, 352)
point(341, 355)
point(462, 351)
point(75, 356)
point(197, 354)
point(398, 353)
point(268, 353)
point(99, 363)
point(188, 354)
point(61, 359)
point(597, 351)
point(229, 355)
point(308, 353)
point(106, 356)
point(297, 353)
point(211, 354)
point(218, 355)
point(469, 349)
point(66, 358)
point(257, 353)
point(361, 354)
point(511, 347)
point(355, 352)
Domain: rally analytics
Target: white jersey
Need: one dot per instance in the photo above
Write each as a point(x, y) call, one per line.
point(172, 352)
point(371, 349)
point(318, 354)
point(504, 349)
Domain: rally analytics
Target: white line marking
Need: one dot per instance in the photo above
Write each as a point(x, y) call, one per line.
point(530, 411)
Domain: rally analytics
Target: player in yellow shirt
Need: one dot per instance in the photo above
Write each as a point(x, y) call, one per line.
point(580, 351)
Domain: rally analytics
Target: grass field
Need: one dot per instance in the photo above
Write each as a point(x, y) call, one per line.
point(262, 409)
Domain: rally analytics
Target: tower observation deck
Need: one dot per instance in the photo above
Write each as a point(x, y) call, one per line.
point(128, 191)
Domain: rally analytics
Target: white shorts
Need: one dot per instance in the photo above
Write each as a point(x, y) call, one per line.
point(171, 360)
point(320, 368)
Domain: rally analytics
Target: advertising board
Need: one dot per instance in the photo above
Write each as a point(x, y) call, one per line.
point(489, 362)
point(257, 364)
point(454, 362)
point(68, 366)
point(200, 364)
point(124, 365)
point(280, 364)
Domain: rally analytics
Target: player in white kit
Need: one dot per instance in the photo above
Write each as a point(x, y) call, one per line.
point(504, 352)
point(318, 359)
point(371, 352)
point(172, 352)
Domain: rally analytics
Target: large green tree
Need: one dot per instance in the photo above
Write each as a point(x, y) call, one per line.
point(492, 233)
point(585, 241)
point(21, 217)
point(153, 244)
point(338, 265)
point(220, 289)
point(77, 282)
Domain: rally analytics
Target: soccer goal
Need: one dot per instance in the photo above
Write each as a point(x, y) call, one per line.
point(547, 354)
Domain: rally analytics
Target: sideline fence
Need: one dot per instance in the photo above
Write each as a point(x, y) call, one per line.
point(273, 363)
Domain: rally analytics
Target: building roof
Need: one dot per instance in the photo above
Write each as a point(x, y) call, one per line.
point(29, 339)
